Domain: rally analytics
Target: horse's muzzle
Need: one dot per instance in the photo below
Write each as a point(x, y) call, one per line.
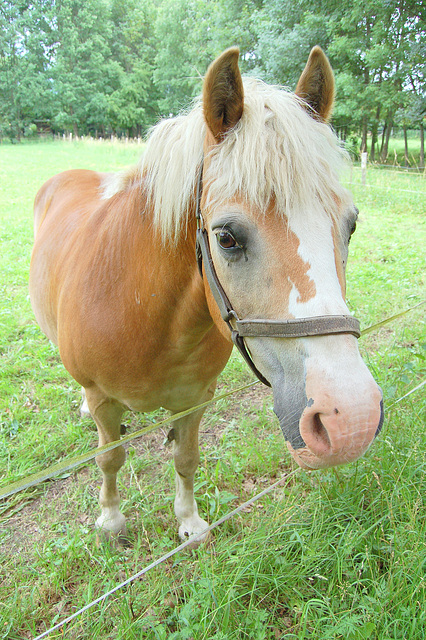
point(331, 436)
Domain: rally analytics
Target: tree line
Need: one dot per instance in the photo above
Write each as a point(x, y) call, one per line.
point(116, 66)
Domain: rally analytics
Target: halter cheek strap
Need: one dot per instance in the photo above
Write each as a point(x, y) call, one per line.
point(240, 329)
point(227, 312)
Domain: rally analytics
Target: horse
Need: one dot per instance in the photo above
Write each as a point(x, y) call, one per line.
point(232, 229)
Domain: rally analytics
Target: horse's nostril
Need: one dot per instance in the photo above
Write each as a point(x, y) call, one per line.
point(320, 434)
point(382, 417)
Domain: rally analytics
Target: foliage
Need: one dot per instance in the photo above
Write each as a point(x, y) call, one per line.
point(286, 33)
point(83, 72)
point(117, 66)
point(337, 554)
point(376, 44)
point(25, 47)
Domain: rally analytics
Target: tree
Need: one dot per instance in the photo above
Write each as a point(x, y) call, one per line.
point(133, 106)
point(371, 44)
point(25, 46)
point(84, 73)
point(190, 34)
point(286, 32)
point(118, 65)
point(375, 47)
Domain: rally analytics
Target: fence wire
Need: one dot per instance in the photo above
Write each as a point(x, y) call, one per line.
point(170, 554)
point(190, 540)
point(37, 478)
point(385, 189)
point(66, 465)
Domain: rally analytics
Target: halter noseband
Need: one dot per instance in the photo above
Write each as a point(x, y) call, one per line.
point(298, 328)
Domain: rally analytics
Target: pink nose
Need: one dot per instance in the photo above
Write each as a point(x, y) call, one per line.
point(334, 435)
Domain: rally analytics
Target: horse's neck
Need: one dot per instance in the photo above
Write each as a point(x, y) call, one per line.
point(161, 270)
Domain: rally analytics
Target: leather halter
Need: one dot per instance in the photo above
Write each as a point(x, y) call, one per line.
point(240, 329)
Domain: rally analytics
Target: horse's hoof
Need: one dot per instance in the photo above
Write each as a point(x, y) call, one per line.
point(117, 540)
point(111, 529)
point(191, 534)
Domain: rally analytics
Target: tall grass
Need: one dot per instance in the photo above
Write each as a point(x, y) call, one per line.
point(334, 554)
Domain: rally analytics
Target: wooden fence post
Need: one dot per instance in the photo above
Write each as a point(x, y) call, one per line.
point(364, 167)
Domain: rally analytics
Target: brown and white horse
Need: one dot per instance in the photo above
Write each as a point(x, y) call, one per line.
point(115, 282)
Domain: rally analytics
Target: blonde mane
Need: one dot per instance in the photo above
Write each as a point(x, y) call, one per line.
point(277, 150)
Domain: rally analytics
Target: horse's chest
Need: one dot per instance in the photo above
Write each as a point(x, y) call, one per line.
point(174, 375)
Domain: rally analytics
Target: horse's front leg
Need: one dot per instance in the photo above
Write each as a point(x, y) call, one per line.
point(186, 458)
point(107, 414)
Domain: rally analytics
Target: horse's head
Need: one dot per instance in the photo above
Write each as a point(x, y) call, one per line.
point(278, 224)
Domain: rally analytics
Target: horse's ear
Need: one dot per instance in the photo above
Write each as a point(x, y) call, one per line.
point(223, 93)
point(316, 84)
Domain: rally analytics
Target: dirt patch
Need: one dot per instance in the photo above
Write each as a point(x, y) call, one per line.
point(245, 405)
point(33, 518)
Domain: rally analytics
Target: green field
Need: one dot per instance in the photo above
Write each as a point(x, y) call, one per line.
point(332, 554)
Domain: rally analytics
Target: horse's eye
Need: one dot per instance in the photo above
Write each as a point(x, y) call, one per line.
point(352, 231)
point(226, 240)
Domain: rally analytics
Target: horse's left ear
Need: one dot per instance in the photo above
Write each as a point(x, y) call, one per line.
point(223, 93)
point(316, 84)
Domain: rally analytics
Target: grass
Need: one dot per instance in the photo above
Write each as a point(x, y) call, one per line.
point(334, 554)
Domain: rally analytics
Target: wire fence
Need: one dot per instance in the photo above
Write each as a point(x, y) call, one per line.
point(56, 469)
point(371, 170)
point(171, 553)
point(71, 463)
point(191, 540)
point(384, 189)
point(395, 168)
point(70, 137)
